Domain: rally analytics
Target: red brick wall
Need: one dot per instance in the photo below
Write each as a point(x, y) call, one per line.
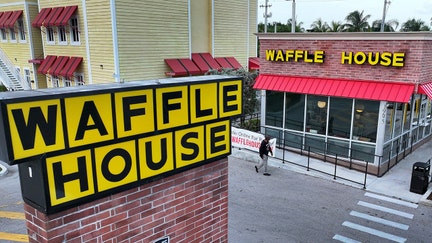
point(191, 206)
point(417, 69)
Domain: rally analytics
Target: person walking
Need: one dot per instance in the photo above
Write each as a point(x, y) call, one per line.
point(264, 150)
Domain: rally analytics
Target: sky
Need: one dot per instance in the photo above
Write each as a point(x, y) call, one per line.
point(308, 11)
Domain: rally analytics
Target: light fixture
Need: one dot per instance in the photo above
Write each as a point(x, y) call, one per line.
point(360, 108)
point(101, 66)
point(321, 104)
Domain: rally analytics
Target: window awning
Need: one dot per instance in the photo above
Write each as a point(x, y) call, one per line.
point(60, 66)
point(10, 22)
point(426, 89)
point(40, 18)
point(233, 62)
point(4, 18)
point(70, 66)
point(46, 64)
point(58, 16)
point(356, 89)
point(254, 63)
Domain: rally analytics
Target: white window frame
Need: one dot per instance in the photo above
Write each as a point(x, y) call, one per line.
point(12, 35)
point(49, 32)
point(21, 30)
point(67, 82)
point(74, 31)
point(61, 31)
point(79, 79)
point(3, 35)
point(55, 81)
point(27, 76)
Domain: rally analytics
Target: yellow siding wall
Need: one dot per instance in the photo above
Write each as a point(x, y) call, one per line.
point(201, 25)
point(149, 32)
point(100, 41)
point(231, 33)
point(18, 52)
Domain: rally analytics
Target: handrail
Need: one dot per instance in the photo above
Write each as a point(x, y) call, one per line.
point(14, 72)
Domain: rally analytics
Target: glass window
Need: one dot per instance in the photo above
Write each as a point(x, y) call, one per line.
point(27, 76)
point(274, 108)
point(49, 35)
point(406, 117)
point(340, 117)
point(12, 34)
point(74, 30)
point(62, 35)
point(316, 114)
point(79, 79)
point(55, 81)
point(294, 111)
point(3, 35)
point(21, 30)
point(365, 120)
point(398, 116)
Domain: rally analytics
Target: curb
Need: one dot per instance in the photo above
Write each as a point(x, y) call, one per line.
point(3, 171)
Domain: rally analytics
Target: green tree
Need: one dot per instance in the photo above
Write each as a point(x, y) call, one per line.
point(319, 26)
point(414, 25)
point(336, 26)
point(356, 22)
point(389, 26)
point(2, 88)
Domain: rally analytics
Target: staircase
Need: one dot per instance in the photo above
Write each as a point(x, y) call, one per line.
point(9, 76)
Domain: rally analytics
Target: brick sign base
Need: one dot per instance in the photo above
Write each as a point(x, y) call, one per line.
point(191, 206)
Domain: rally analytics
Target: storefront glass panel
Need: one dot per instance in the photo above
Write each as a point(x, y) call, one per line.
point(294, 111)
point(398, 116)
point(365, 120)
point(339, 124)
point(338, 147)
point(315, 144)
point(293, 140)
point(363, 151)
point(316, 114)
point(274, 108)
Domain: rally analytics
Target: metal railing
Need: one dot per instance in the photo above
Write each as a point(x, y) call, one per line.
point(7, 82)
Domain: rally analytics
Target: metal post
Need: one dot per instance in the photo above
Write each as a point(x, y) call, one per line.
point(293, 18)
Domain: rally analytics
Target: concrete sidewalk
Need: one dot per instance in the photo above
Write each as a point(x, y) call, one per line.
point(395, 183)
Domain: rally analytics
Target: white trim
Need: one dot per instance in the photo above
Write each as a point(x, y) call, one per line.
point(190, 28)
point(212, 28)
point(347, 36)
point(16, 3)
point(86, 37)
point(116, 73)
point(248, 36)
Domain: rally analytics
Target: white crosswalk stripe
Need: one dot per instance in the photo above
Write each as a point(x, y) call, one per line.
point(379, 210)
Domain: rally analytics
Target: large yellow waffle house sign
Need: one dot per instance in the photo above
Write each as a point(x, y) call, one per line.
point(82, 143)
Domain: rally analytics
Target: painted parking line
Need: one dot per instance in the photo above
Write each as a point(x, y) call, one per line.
point(344, 239)
point(387, 210)
point(392, 200)
point(380, 220)
point(374, 232)
point(14, 237)
point(12, 215)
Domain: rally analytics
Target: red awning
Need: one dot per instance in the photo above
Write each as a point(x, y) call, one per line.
point(53, 16)
point(190, 66)
point(176, 67)
point(233, 62)
point(40, 18)
point(356, 89)
point(200, 62)
point(426, 89)
point(223, 62)
point(210, 61)
point(4, 18)
point(71, 66)
point(12, 19)
point(66, 14)
point(46, 64)
point(58, 65)
point(254, 63)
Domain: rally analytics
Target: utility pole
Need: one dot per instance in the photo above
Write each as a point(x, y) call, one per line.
point(293, 18)
point(384, 14)
point(266, 14)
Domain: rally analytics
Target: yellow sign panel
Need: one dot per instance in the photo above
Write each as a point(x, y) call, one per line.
point(89, 119)
point(189, 143)
point(203, 102)
point(35, 128)
point(133, 110)
point(172, 107)
point(156, 155)
point(116, 165)
point(70, 177)
point(218, 139)
point(230, 98)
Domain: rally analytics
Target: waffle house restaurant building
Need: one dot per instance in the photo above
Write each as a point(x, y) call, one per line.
point(361, 96)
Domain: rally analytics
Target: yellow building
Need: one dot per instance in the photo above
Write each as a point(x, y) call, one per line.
point(75, 42)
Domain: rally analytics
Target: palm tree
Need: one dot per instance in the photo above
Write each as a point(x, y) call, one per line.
point(356, 22)
point(389, 26)
point(414, 25)
point(319, 26)
point(336, 26)
point(298, 27)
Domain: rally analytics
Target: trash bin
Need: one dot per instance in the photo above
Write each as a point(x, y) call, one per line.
point(420, 177)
